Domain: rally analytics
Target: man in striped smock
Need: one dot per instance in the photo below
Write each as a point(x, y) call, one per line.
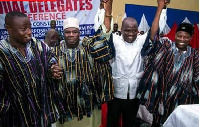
point(86, 81)
point(28, 94)
point(171, 76)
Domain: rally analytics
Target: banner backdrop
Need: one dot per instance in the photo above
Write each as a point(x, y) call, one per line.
point(173, 15)
point(42, 12)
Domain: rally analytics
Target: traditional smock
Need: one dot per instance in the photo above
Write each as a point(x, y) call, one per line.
point(28, 96)
point(87, 80)
point(170, 78)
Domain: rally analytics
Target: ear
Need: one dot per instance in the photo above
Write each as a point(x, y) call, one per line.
point(8, 28)
point(191, 37)
point(175, 34)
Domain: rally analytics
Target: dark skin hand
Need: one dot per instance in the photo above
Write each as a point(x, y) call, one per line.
point(56, 71)
point(104, 1)
point(155, 24)
point(108, 11)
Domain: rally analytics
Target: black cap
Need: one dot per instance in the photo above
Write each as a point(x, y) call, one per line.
point(187, 27)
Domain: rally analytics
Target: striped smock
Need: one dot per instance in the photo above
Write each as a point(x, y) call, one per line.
point(170, 78)
point(86, 82)
point(28, 97)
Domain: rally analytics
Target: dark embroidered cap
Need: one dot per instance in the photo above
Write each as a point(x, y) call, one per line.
point(187, 27)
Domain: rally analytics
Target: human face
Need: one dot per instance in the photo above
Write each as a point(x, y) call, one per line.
point(182, 40)
point(53, 38)
point(71, 37)
point(129, 31)
point(19, 30)
point(53, 25)
point(115, 28)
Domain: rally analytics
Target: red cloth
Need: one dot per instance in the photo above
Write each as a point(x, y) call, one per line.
point(104, 111)
point(194, 43)
point(171, 34)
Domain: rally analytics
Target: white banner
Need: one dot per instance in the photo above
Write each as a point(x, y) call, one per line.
point(42, 12)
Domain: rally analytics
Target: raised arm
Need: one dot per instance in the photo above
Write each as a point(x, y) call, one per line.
point(101, 46)
point(155, 23)
point(108, 14)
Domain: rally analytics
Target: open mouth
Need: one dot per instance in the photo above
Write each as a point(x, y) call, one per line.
point(181, 44)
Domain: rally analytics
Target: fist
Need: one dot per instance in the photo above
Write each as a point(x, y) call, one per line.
point(167, 2)
point(163, 3)
point(104, 1)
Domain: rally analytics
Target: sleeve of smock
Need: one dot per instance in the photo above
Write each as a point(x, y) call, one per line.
point(101, 45)
point(54, 84)
point(195, 88)
point(150, 47)
point(4, 100)
point(48, 59)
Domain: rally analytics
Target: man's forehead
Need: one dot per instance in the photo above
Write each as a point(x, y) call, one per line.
point(17, 18)
point(129, 22)
point(20, 20)
point(130, 25)
point(182, 33)
point(71, 29)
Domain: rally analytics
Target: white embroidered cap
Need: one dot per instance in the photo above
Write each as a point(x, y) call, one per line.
point(70, 22)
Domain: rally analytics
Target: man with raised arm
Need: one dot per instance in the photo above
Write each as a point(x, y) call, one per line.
point(171, 76)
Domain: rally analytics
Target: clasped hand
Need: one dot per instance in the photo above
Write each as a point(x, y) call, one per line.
point(56, 71)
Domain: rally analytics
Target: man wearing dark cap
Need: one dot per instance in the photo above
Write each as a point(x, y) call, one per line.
point(171, 76)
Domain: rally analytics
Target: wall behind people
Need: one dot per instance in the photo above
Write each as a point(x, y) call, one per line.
point(118, 12)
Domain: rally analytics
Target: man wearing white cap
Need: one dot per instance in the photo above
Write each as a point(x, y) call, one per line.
point(85, 82)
